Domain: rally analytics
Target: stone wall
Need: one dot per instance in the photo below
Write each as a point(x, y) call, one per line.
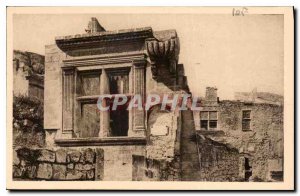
point(28, 71)
point(58, 165)
point(28, 122)
point(217, 161)
point(146, 169)
point(261, 144)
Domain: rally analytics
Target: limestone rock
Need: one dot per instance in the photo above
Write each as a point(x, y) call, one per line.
point(61, 156)
point(70, 166)
point(31, 171)
point(75, 175)
point(74, 156)
point(90, 174)
point(89, 156)
point(17, 172)
point(84, 167)
point(46, 156)
point(44, 171)
point(59, 172)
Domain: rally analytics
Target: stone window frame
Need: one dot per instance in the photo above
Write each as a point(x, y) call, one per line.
point(104, 131)
point(208, 120)
point(70, 67)
point(247, 119)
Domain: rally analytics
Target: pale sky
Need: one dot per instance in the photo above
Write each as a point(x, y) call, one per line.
point(232, 53)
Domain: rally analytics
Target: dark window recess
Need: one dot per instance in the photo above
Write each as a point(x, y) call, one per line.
point(248, 169)
point(246, 114)
point(118, 81)
point(213, 124)
point(204, 124)
point(246, 124)
point(246, 121)
point(119, 122)
point(119, 84)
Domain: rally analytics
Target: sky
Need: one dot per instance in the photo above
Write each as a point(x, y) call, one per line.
point(234, 54)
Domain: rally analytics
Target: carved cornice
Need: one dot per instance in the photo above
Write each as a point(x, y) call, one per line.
point(104, 59)
point(92, 40)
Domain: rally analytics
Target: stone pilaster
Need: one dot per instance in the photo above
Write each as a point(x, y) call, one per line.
point(139, 89)
point(68, 101)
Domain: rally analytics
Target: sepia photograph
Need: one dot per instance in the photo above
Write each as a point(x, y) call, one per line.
point(104, 98)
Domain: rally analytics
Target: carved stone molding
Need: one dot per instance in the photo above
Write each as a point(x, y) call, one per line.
point(163, 52)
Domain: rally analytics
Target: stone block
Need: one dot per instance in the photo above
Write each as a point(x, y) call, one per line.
point(46, 156)
point(31, 171)
point(61, 156)
point(90, 174)
point(75, 175)
point(59, 172)
point(70, 166)
point(44, 171)
point(89, 155)
point(74, 156)
point(84, 167)
point(17, 172)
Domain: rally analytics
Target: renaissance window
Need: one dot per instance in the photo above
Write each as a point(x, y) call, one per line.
point(208, 120)
point(246, 120)
point(82, 87)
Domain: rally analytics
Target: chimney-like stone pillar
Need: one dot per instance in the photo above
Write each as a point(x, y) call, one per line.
point(211, 94)
point(94, 26)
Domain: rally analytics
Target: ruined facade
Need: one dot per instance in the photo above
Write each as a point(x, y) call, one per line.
point(252, 132)
point(28, 74)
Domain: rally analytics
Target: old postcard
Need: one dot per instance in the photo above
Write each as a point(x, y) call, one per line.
point(158, 98)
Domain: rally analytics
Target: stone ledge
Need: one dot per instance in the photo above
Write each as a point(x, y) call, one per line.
point(108, 141)
point(211, 132)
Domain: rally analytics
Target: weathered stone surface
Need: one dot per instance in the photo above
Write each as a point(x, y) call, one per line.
point(90, 174)
point(16, 160)
point(59, 172)
point(99, 165)
point(75, 175)
point(82, 167)
point(46, 156)
point(44, 171)
point(70, 166)
point(31, 172)
point(74, 156)
point(61, 156)
point(17, 172)
point(89, 155)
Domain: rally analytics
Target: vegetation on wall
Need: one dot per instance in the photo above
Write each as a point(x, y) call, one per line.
point(28, 122)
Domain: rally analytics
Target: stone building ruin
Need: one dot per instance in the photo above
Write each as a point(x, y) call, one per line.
point(83, 143)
